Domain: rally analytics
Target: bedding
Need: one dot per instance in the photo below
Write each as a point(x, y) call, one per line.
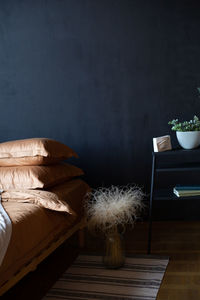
point(5, 232)
point(35, 151)
point(35, 227)
point(33, 177)
point(27, 161)
point(56, 198)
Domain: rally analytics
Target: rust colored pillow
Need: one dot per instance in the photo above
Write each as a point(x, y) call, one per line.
point(35, 151)
point(34, 177)
point(65, 197)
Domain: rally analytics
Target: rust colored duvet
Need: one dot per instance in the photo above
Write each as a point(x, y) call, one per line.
point(34, 228)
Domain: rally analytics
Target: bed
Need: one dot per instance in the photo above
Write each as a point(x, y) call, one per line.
point(37, 232)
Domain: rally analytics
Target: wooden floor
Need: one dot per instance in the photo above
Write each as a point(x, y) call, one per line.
point(178, 240)
point(181, 242)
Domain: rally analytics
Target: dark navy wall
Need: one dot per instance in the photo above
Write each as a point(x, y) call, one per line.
point(103, 76)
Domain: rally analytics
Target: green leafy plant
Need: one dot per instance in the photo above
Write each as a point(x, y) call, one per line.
point(192, 125)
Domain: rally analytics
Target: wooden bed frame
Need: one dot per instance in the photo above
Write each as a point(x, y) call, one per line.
point(32, 265)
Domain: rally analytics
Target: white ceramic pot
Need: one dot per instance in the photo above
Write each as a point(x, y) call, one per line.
point(188, 139)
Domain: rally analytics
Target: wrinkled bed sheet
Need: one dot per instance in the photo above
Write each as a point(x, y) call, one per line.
point(5, 231)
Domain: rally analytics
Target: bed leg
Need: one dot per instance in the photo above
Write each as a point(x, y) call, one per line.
point(81, 237)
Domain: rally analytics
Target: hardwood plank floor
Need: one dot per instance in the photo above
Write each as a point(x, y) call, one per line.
point(181, 242)
point(178, 240)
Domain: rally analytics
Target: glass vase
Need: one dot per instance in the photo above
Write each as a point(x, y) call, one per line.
point(114, 256)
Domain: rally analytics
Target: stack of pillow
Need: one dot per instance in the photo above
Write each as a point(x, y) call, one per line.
point(32, 164)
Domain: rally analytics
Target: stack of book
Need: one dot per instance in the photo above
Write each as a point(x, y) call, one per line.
point(186, 190)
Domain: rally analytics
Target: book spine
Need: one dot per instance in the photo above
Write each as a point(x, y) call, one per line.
point(187, 187)
point(176, 192)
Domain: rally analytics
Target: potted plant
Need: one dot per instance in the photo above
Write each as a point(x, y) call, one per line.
point(187, 132)
point(107, 209)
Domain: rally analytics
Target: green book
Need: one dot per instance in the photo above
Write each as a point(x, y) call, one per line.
point(186, 193)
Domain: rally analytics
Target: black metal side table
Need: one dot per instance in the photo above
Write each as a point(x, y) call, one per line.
point(179, 163)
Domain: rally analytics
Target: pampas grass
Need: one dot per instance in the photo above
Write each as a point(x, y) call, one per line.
point(109, 207)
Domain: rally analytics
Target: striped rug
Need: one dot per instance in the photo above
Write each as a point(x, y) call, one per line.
point(139, 279)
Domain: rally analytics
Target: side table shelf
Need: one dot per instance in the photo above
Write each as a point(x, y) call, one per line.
point(176, 162)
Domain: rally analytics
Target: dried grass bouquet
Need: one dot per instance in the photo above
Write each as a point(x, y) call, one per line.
point(109, 207)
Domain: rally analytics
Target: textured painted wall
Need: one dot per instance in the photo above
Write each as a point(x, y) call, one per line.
point(103, 76)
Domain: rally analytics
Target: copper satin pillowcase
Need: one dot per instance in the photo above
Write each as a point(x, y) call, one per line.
point(33, 177)
point(35, 151)
point(58, 198)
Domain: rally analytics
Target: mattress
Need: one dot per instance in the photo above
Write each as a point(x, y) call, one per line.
point(34, 228)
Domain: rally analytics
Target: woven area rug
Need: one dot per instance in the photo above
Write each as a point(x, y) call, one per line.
point(87, 278)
